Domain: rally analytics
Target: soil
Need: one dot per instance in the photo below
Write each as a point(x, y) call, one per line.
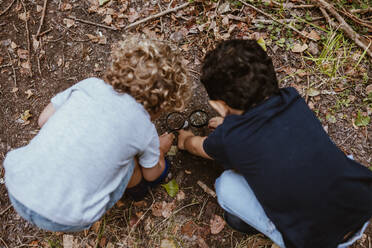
point(66, 56)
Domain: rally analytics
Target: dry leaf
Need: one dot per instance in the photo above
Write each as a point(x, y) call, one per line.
point(166, 243)
point(217, 224)
point(225, 7)
point(34, 243)
point(119, 204)
point(14, 90)
point(297, 48)
point(66, 6)
point(102, 242)
point(133, 15)
point(29, 93)
point(22, 54)
point(26, 65)
point(95, 227)
point(35, 43)
point(189, 228)
point(313, 34)
point(369, 89)
point(167, 209)
point(133, 221)
point(180, 196)
point(188, 172)
point(13, 45)
point(97, 39)
point(157, 209)
point(202, 243)
point(313, 92)
point(68, 22)
point(24, 16)
point(69, 242)
point(108, 20)
point(39, 8)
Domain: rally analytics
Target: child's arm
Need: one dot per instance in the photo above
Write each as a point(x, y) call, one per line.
point(191, 143)
point(151, 174)
point(45, 114)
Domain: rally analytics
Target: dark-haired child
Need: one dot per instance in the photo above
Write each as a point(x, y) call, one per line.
point(284, 176)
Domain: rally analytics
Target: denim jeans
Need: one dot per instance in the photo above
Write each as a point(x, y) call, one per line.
point(231, 186)
point(46, 224)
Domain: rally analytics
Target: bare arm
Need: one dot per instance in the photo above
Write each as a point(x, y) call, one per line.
point(151, 174)
point(48, 111)
point(191, 143)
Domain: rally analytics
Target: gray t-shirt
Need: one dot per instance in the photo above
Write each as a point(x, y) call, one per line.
point(82, 153)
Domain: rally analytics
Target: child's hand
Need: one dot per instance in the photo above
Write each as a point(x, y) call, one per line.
point(215, 122)
point(182, 136)
point(166, 140)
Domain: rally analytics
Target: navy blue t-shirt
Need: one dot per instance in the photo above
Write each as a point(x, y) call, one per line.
point(309, 189)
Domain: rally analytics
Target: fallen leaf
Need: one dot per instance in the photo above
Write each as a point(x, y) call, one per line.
point(189, 228)
point(297, 48)
point(69, 242)
point(362, 120)
point(369, 89)
point(68, 22)
point(157, 208)
point(262, 43)
point(102, 2)
point(225, 7)
point(60, 62)
point(97, 39)
point(313, 34)
point(102, 242)
point(14, 90)
point(171, 187)
point(24, 16)
point(34, 243)
point(217, 224)
point(26, 65)
point(167, 209)
point(167, 243)
point(133, 15)
point(95, 227)
point(133, 221)
point(110, 245)
point(108, 20)
point(172, 151)
point(201, 242)
point(13, 45)
point(188, 172)
point(225, 20)
point(66, 6)
point(29, 93)
point(119, 204)
point(180, 196)
point(39, 8)
point(35, 43)
point(26, 115)
point(313, 92)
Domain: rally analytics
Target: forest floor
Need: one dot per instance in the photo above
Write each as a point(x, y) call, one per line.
point(41, 55)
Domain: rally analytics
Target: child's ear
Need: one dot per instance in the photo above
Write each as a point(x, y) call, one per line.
point(220, 106)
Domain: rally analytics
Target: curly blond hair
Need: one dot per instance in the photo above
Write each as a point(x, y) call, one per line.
point(150, 72)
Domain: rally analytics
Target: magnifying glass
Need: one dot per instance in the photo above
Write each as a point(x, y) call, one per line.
point(176, 120)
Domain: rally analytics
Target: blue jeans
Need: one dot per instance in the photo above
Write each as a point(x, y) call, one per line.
point(231, 186)
point(46, 224)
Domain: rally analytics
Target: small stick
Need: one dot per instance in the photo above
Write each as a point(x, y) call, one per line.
point(6, 209)
point(278, 21)
point(7, 8)
point(42, 18)
point(7, 65)
point(362, 11)
point(38, 65)
point(206, 189)
point(157, 15)
point(45, 32)
point(14, 73)
point(4, 243)
point(28, 38)
point(92, 23)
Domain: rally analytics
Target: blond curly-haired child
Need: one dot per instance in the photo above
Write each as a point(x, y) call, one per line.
point(97, 139)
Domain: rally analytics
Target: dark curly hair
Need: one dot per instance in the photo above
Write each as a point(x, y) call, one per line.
point(240, 73)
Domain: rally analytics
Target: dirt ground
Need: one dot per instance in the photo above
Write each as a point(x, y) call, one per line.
point(68, 51)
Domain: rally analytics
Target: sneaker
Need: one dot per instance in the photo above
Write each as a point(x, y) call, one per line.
point(238, 224)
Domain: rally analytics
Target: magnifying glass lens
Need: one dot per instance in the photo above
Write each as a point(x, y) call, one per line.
point(198, 118)
point(175, 121)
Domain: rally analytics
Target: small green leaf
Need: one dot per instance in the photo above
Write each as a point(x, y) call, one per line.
point(261, 42)
point(361, 120)
point(102, 2)
point(313, 92)
point(171, 187)
point(331, 118)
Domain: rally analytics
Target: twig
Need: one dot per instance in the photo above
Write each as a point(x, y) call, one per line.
point(7, 65)
point(6, 209)
point(92, 23)
point(361, 11)
point(14, 73)
point(28, 38)
point(331, 23)
point(276, 20)
point(7, 8)
point(38, 65)
point(4, 243)
point(206, 189)
point(345, 27)
point(157, 15)
point(291, 6)
point(45, 32)
point(42, 18)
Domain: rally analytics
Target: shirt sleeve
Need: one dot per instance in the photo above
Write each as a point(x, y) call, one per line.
point(214, 146)
point(150, 156)
point(59, 99)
